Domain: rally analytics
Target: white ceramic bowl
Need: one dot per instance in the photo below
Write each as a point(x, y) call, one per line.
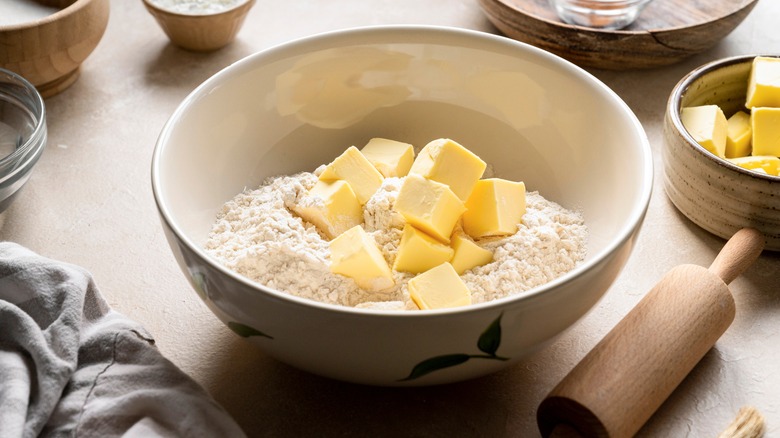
point(534, 116)
point(714, 193)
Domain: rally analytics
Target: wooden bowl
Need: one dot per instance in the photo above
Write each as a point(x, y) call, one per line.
point(48, 52)
point(712, 192)
point(203, 32)
point(666, 31)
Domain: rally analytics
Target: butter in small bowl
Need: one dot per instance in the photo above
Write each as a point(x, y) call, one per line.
point(720, 154)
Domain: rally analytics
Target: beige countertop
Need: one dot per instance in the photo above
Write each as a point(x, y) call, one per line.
point(89, 202)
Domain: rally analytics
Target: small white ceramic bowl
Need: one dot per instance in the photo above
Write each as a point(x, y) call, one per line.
point(714, 193)
point(534, 116)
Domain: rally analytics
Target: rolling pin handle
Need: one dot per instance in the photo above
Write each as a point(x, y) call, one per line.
point(738, 254)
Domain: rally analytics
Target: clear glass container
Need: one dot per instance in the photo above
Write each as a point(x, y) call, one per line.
point(22, 133)
point(599, 14)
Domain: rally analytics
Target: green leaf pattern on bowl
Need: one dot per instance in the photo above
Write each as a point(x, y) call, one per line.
point(488, 343)
point(490, 339)
point(199, 284)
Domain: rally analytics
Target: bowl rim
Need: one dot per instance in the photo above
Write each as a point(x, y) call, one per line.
point(38, 131)
point(71, 9)
point(673, 109)
point(403, 33)
point(241, 7)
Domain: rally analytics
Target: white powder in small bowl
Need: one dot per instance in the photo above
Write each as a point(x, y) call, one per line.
point(258, 236)
point(197, 7)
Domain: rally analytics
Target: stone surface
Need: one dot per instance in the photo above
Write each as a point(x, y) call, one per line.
point(89, 202)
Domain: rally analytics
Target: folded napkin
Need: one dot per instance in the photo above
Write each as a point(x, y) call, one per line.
point(71, 366)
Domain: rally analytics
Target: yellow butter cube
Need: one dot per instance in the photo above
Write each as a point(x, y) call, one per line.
point(708, 126)
point(391, 158)
point(352, 167)
point(766, 131)
point(419, 252)
point(439, 288)
point(448, 162)
point(468, 254)
point(768, 164)
point(738, 135)
point(494, 208)
point(764, 83)
point(429, 205)
point(354, 254)
point(332, 207)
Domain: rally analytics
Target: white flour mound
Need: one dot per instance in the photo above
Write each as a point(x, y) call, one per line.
point(258, 236)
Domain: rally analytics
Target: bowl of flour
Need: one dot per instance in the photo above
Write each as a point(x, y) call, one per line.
point(244, 148)
point(200, 25)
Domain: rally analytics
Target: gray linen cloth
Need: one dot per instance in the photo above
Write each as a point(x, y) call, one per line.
point(70, 366)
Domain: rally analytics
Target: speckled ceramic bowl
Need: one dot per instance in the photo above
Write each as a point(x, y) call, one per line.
point(532, 115)
point(712, 192)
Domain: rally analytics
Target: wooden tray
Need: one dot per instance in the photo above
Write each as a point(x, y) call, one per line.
point(666, 32)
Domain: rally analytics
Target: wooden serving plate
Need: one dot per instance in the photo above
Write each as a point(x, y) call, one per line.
point(666, 32)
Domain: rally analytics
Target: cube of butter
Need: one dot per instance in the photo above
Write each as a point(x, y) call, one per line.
point(738, 135)
point(447, 162)
point(468, 254)
point(708, 126)
point(354, 254)
point(766, 131)
point(332, 207)
point(352, 167)
point(419, 252)
point(439, 288)
point(768, 163)
point(494, 208)
point(429, 205)
point(764, 83)
point(391, 158)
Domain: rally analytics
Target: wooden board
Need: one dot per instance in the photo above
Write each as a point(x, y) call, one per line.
point(666, 32)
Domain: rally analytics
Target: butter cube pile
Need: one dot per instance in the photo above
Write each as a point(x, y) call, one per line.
point(446, 206)
point(750, 138)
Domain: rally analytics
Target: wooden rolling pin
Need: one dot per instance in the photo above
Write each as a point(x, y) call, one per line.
point(616, 387)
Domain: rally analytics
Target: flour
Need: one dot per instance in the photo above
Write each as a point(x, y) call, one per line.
point(383, 223)
point(549, 242)
point(197, 7)
point(258, 236)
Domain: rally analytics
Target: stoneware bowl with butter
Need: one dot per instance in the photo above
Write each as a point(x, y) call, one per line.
point(534, 116)
point(713, 192)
